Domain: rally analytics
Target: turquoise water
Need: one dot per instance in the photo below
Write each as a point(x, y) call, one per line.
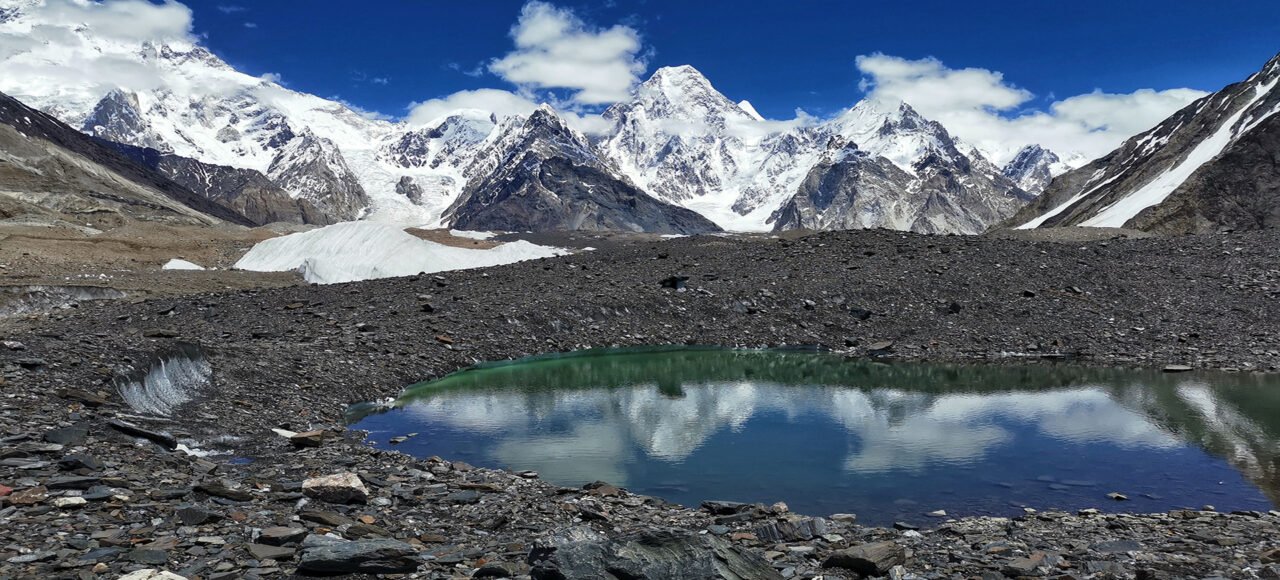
point(826, 434)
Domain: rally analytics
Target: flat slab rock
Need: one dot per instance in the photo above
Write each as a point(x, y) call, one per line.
point(582, 553)
point(874, 559)
point(322, 555)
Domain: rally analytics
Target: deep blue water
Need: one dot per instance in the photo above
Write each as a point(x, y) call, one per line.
point(829, 435)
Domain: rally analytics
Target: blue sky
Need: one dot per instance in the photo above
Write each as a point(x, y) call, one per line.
point(381, 56)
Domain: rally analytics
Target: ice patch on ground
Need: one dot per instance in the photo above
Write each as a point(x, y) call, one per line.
point(353, 251)
point(180, 264)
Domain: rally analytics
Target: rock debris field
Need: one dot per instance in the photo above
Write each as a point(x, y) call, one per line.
point(93, 488)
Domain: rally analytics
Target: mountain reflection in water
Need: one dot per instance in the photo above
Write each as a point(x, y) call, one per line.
point(828, 434)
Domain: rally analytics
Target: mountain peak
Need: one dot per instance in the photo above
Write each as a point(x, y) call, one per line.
point(678, 73)
point(545, 115)
point(750, 109)
point(1032, 168)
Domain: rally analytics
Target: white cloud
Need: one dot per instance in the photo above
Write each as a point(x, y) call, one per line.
point(557, 50)
point(500, 102)
point(979, 106)
point(497, 101)
point(127, 20)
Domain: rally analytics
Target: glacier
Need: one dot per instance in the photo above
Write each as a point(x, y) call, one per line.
point(354, 251)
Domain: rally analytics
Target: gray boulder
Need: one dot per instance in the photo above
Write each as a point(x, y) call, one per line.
point(581, 553)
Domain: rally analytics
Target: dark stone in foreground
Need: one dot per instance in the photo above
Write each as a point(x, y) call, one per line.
point(359, 557)
point(73, 435)
point(868, 559)
point(163, 439)
point(581, 553)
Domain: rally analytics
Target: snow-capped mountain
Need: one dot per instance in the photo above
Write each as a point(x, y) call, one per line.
point(549, 177)
point(679, 140)
point(1210, 165)
point(686, 143)
point(1033, 168)
point(52, 171)
point(178, 98)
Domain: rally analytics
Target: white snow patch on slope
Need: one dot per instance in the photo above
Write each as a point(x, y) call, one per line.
point(1159, 189)
point(472, 235)
point(352, 251)
point(1035, 223)
point(749, 109)
point(180, 264)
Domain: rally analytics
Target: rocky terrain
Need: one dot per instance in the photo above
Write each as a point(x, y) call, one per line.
point(93, 486)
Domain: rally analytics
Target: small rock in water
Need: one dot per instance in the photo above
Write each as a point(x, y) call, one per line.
point(904, 526)
point(1118, 496)
point(1177, 369)
point(402, 438)
point(937, 514)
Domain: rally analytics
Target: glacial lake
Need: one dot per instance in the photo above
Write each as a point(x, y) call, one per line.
point(827, 434)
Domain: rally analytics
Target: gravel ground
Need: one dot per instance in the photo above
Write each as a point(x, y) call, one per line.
point(294, 357)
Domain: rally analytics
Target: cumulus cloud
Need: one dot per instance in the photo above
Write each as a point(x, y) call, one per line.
point(981, 107)
point(497, 101)
point(127, 20)
point(557, 50)
point(502, 103)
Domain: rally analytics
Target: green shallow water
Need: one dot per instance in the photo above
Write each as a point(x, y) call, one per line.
point(828, 434)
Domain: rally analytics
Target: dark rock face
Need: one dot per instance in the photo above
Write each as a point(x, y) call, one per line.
point(1238, 190)
point(410, 189)
point(549, 179)
point(1032, 168)
point(582, 554)
point(851, 189)
point(1234, 133)
point(117, 118)
point(244, 191)
point(144, 193)
point(313, 168)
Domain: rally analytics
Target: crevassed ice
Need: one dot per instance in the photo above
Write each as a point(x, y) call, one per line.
point(170, 383)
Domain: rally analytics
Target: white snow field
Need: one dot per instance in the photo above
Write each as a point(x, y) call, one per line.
point(352, 251)
point(180, 264)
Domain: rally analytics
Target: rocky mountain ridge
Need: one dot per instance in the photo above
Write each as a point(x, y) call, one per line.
point(1214, 164)
point(548, 177)
point(52, 170)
